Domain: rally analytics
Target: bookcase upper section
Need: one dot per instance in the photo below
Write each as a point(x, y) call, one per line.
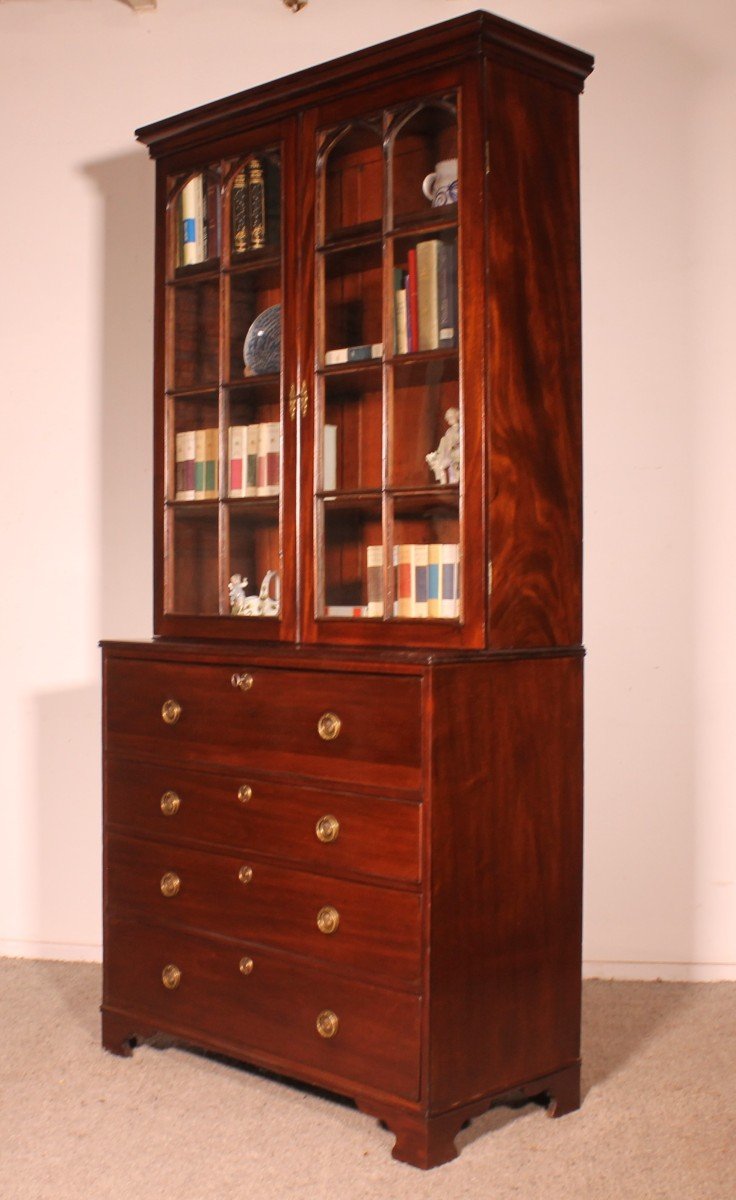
point(367, 380)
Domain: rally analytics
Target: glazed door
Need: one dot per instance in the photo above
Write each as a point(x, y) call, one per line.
point(226, 368)
point(392, 377)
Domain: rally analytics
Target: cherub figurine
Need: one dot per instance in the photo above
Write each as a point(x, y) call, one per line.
point(238, 601)
point(445, 460)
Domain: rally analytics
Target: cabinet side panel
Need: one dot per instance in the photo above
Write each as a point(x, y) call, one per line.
point(506, 838)
point(534, 357)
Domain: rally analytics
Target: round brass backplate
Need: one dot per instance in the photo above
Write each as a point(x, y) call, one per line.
point(245, 793)
point(328, 919)
point(329, 726)
point(170, 884)
point(171, 711)
point(170, 804)
point(327, 1023)
point(327, 828)
point(171, 977)
point(245, 966)
point(245, 874)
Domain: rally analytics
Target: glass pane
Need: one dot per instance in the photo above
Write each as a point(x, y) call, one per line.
point(353, 305)
point(196, 448)
point(255, 322)
point(194, 562)
point(425, 436)
point(352, 436)
point(196, 313)
point(424, 163)
point(353, 571)
point(254, 587)
point(352, 169)
point(426, 558)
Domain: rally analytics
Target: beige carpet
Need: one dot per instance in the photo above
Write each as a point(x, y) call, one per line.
point(658, 1119)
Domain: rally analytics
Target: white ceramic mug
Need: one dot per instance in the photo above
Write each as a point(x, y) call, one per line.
point(440, 186)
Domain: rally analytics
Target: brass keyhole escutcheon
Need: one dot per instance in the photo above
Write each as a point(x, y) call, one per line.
point(245, 793)
point(171, 976)
point(328, 919)
point(170, 804)
point(327, 1023)
point(245, 874)
point(171, 711)
point(242, 680)
point(245, 966)
point(327, 828)
point(329, 726)
point(170, 884)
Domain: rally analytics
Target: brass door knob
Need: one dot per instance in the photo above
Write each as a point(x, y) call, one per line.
point(328, 919)
point(171, 977)
point(245, 966)
point(170, 884)
point(241, 680)
point(170, 804)
point(171, 711)
point(327, 828)
point(245, 874)
point(327, 1023)
point(245, 793)
point(329, 726)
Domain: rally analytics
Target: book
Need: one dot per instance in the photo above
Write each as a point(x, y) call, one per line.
point(434, 566)
point(344, 610)
point(420, 561)
point(192, 241)
point(250, 460)
point(211, 463)
point(353, 354)
point(212, 217)
point(447, 293)
point(412, 302)
point(403, 581)
point(374, 572)
point(256, 205)
point(402, 336)
point(449, 595)
point(236, 439)
point(200, 457)
point(329, 458)
point(239, 206)
point(428, 294)
point(267, 471)
point(185, 453)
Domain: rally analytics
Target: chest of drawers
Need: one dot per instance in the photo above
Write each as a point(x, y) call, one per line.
point(361, 872)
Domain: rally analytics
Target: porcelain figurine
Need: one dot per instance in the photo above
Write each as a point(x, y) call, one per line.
point(445, 460)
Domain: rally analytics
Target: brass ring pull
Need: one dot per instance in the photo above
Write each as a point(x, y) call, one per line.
point(242, 680)
point(170, 804)
point(245, 966)
point(170, 884)
point(171, 976)
point(327, 828)
point(329, 726)
point(245, 793)
point(245, 874)
point(171, 711)
point(327, 1023)
point(328, 919)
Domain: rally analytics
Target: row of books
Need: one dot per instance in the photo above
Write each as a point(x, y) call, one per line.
point(198, 226)
point(426, 580)
point(425, 298)
point(249, 208)
point(197, 465)
point(254, 459)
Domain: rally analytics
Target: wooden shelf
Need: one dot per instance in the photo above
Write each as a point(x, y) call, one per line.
point(205, 272)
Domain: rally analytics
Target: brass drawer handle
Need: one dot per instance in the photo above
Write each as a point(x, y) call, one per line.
point(242, 680)
point(245, 874)
point(245, 966)
point(171, 976)
point(329, 726)
point(328, 919)
point(327, 828)
point(170, 884)
point(171, 711)
point(327, 1023)
point(245, 793)
point(170, 804)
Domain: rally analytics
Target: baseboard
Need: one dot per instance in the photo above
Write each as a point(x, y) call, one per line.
point(58, 951)
point(670, 972)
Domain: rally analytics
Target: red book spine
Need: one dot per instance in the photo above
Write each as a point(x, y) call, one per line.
point(236, 475)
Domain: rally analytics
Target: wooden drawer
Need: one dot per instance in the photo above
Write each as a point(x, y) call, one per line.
point(378, 931)
point(273, 1009)
point(274, 725)
point(374, 837)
